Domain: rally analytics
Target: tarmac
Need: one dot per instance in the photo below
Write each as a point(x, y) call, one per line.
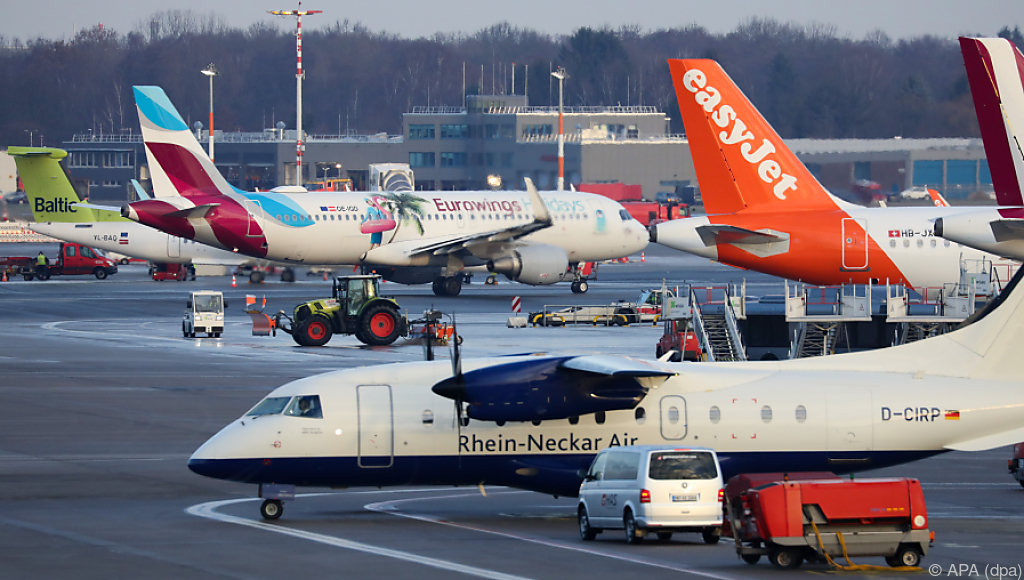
point(102, 402)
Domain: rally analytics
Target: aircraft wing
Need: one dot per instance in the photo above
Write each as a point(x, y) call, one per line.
point(398, 254)
point(713, 235)
point(1006, 230)
point(989, 441)
point(543, 388)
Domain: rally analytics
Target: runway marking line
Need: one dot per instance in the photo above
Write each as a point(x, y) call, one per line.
point(208, 510)
point(388, 507)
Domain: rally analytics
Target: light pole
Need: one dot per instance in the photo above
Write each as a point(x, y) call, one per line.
point(561, 75)
point(299, 148)
point(211, 71)
point(338, 167)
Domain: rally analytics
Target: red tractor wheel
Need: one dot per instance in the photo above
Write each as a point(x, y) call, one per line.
point(380, 324)
point(315, 330)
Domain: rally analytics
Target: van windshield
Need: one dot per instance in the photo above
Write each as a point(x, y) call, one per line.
point(209, 303)
point(683, 465)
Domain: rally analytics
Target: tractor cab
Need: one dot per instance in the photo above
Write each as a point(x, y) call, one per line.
point(354, 291)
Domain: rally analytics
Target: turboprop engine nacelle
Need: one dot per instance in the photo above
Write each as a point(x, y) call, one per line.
point(538, 264)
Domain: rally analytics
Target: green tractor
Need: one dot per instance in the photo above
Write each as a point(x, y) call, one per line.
point(355, 307)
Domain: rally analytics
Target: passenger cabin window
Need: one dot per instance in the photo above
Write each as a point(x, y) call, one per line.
point(428, 417)
point(766, 414)
point(269, 406)
point(621, 466)
point(715, 414)
point(673, 415)
point(683, 465)
point(307, 406)
point(801, 413)
point(641, 415)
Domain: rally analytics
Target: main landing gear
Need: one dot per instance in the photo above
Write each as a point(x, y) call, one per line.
point(580, 287)
point(447, 285)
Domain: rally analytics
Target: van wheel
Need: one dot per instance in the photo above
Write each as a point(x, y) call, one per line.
point(271, 509)
point(586, 532)
point(100, 273)
point(664, 536)
point(711, 536)
point(632, 533)
point(751, 558)
point(184, 331)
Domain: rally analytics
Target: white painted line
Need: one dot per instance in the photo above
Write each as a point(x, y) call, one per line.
point(208, 510)
point(389, 507)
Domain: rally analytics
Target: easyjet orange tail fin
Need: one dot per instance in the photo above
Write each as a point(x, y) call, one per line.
point(741, 163)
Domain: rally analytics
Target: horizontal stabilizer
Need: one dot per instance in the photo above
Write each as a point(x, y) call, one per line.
point(713, 235)
point(1007, 230)
point(196, 212)
point(989, 441)
point(37, 152)
point(116, 210)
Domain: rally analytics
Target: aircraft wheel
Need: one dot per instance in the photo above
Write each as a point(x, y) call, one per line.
point(632, 533)
point(453, 285)
point(583, 286)
point(256, 277)
point(438, 286)
point(586, 532)
point(315, 330)
point(271, 509)
point(288, 275)
point(379, 324)
point(100, 273)
point(124, 261)
point(575, 287)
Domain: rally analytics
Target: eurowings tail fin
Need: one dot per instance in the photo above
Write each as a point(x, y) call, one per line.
point(741, 162)
point(995, 71)
point(177, 162)
point(49, 189)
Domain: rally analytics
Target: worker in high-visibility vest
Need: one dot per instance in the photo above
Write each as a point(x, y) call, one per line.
point(42, 264)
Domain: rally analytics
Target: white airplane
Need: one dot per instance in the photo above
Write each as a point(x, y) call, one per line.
point(767, 212)
point(58, 213)
point(530, 238)
point(532, 422)
point(994, 70)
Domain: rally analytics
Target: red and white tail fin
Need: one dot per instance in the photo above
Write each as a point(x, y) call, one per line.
point(995, 70)
point(937, 198)
point(741, 162)
point(177, 163)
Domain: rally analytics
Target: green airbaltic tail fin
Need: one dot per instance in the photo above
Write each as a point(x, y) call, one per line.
point(49, 191)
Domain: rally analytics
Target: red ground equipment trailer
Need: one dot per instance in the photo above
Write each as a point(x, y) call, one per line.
point(824, 519)
point(74, 259)
point(1016, 464)
point(177, 272)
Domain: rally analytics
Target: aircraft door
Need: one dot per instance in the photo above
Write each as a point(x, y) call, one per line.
point(673, 417)
point(855, 244)
point(376, 426)
point(173, 246)
point(255, 211)
point(849, 422)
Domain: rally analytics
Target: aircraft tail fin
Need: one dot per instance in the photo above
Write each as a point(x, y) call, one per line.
point(741, 162)
point(995, 71)
point(177, 162)
point(937, 198)
point(49, 190)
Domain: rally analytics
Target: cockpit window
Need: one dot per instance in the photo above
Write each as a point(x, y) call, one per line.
point(269, 406)
point(305, 406)
point(210, 303)
point(624, 215)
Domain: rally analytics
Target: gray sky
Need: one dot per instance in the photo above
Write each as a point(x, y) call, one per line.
point(413, 18)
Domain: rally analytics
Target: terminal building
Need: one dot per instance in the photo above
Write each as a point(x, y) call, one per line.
point(497, 141)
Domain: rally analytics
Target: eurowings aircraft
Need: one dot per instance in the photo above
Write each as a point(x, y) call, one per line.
point(55, 206)
point(530, 238)
point(532, 422)
point(995, 71)
point(767, 213)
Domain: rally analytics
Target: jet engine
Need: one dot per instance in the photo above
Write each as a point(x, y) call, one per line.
point(535, 264)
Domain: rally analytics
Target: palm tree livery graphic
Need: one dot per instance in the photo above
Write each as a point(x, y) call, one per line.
point(404, 207)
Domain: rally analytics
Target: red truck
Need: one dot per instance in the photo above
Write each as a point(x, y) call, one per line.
point(796, 520)
point(1016, 464)
point(73, 259)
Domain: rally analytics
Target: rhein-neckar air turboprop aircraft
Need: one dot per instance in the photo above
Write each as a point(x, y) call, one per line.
point(529, 237)
point(995, 71)
point(767, 213)
point(55, 206)
point(532, 422)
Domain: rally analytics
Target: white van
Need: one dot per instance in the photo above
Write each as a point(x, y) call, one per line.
point(652, 489)
point(204, 312)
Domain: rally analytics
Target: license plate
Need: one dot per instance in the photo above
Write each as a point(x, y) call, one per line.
point(686, 497)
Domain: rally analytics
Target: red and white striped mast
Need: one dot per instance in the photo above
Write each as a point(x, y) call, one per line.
point(299, 75)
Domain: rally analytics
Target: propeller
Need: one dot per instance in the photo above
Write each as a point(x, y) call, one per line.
point(458, 388)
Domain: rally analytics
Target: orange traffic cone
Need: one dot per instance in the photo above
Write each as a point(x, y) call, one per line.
point(234, 284)
point(642, 258)
point(325, 275)
point(5, 276)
